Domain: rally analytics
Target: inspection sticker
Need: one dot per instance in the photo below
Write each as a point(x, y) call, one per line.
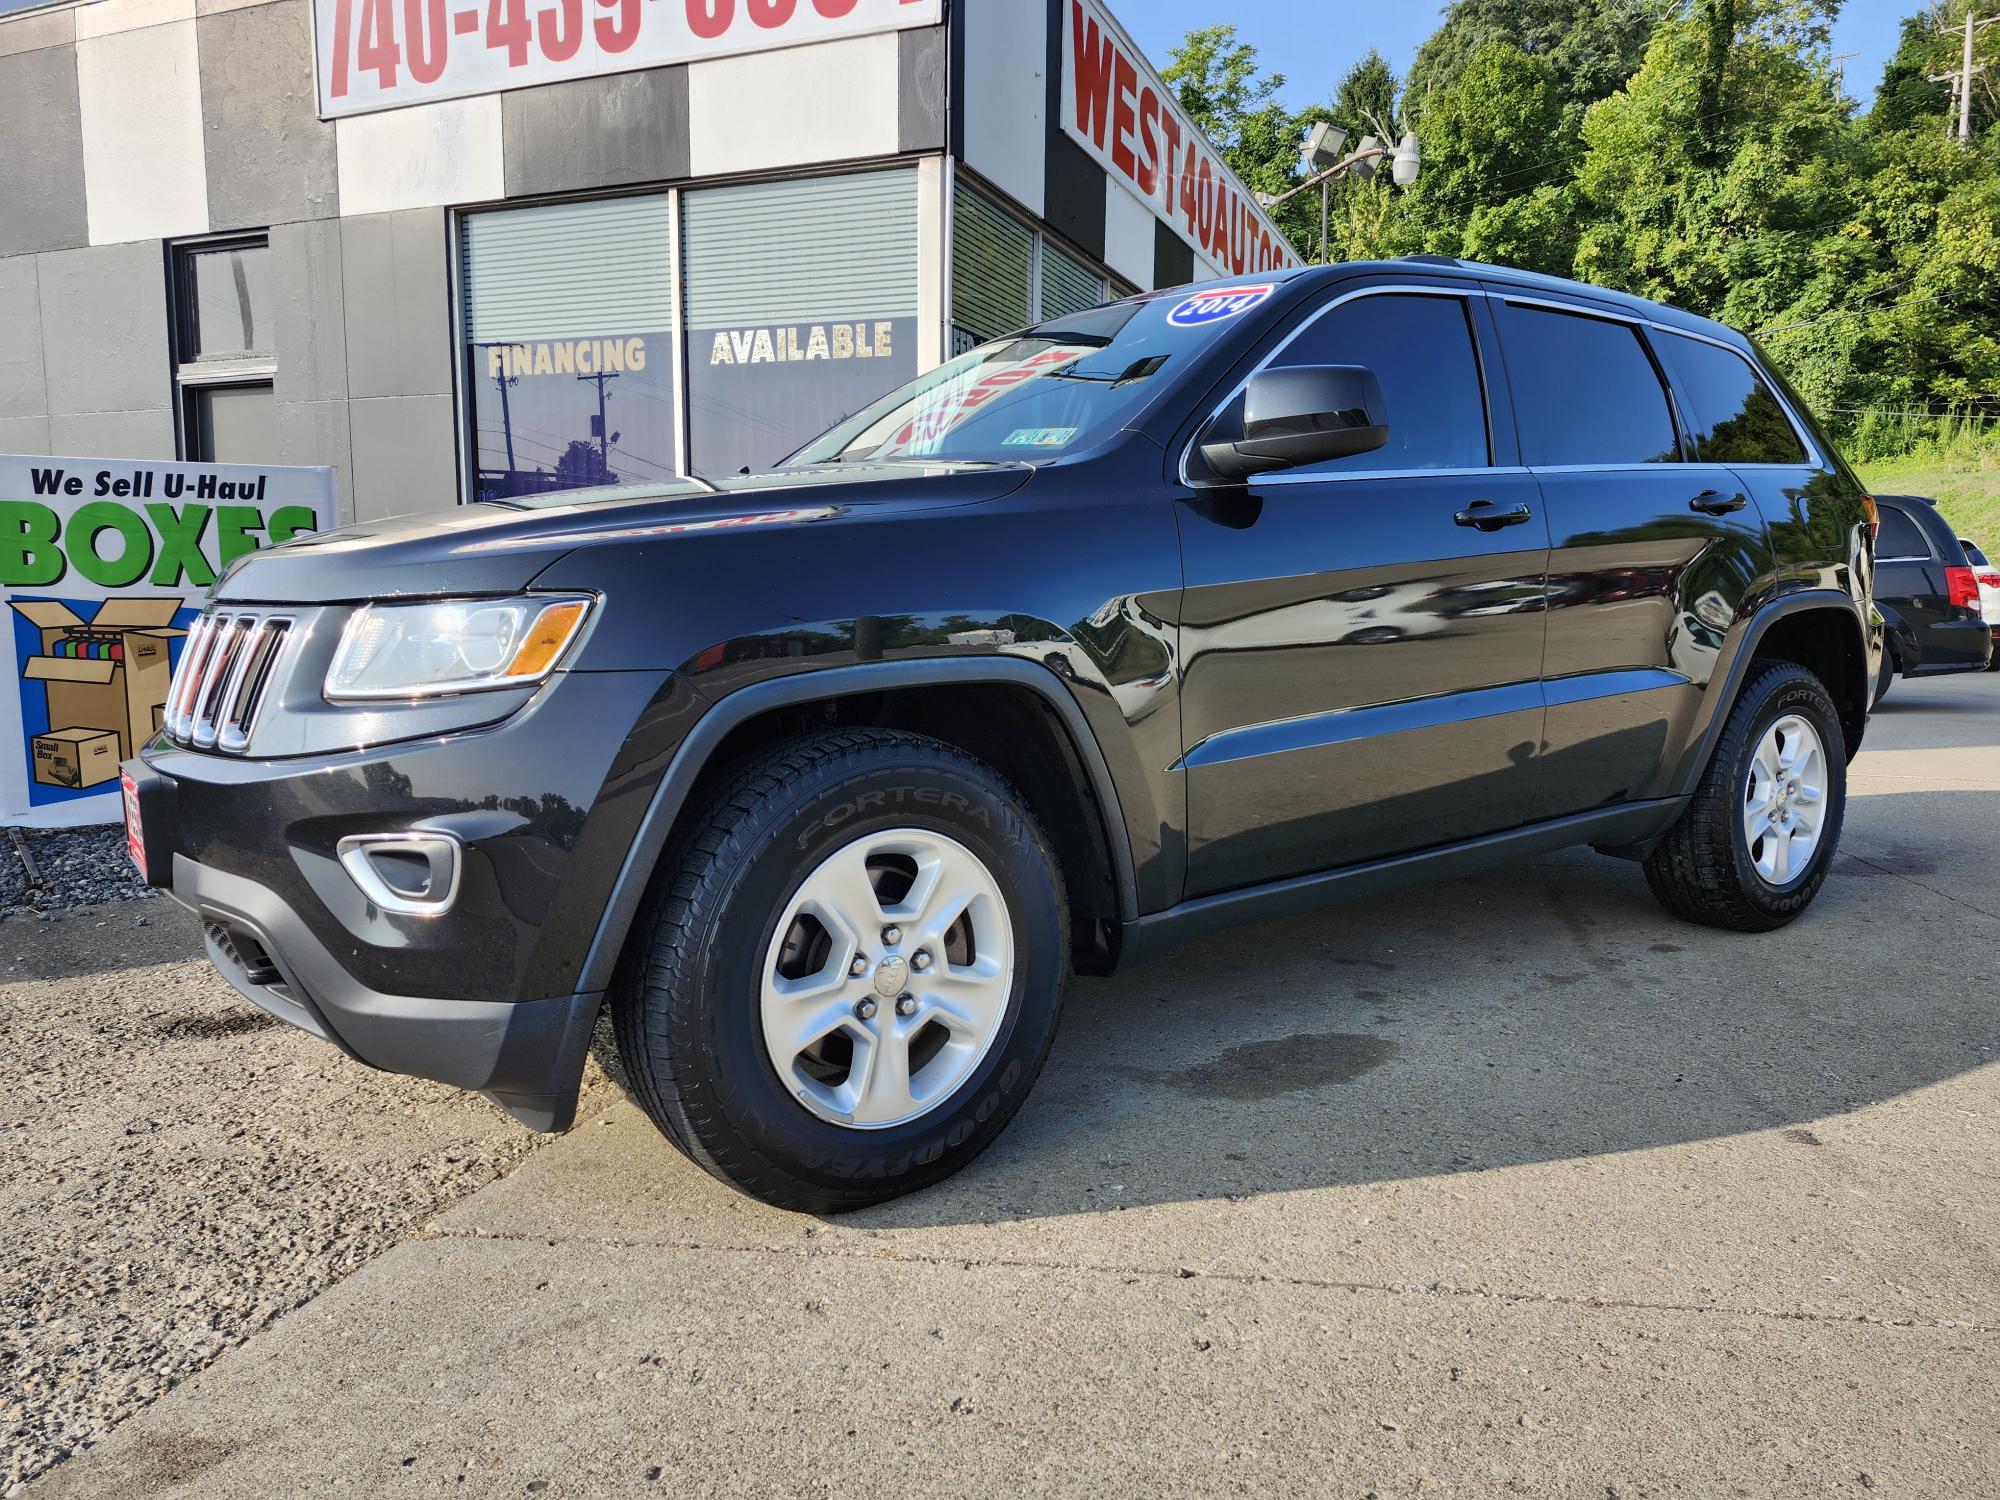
point(1217, 305)
point(1039, 437)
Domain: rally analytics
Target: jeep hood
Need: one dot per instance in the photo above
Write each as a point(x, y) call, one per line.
point(498, 548)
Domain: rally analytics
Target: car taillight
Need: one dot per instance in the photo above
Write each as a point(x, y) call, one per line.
point(1988, 580)
point(1963, 588)
point(1873, 515)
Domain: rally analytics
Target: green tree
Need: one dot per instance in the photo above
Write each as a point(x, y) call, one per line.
point(1215, 75)
point(1590, 46)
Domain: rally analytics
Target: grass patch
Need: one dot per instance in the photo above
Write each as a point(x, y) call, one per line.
point(1953, 459)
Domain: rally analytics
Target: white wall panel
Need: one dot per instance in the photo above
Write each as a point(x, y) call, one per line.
point(106, 17)
point(1006, 95)
point(830, 102)
point(1128, 235)
point(421, 157)
point(139, 93)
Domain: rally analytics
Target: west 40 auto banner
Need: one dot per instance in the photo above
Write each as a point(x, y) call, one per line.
point(103, 564)
point(378, 54)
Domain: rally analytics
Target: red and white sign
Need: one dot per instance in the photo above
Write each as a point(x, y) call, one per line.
point(378, 54)
point(135, 835)
point(1115, 107)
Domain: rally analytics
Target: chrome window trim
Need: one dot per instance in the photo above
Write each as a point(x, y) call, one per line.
point(1814, 458)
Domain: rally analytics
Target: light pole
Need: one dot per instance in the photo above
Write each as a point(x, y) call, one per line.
point(1406, 161)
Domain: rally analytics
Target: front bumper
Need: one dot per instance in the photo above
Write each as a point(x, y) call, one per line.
point(487, 995)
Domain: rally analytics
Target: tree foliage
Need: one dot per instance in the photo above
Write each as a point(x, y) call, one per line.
point(1697, 151)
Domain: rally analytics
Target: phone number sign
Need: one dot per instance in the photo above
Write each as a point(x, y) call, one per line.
point(380, 54)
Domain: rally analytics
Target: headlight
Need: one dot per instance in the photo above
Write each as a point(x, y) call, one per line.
point(461, 646)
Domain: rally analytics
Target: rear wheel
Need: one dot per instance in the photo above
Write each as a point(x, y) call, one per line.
point(1755, 843)
point(852, 977)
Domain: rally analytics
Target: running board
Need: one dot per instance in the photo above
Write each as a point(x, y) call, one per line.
point(1629, 823)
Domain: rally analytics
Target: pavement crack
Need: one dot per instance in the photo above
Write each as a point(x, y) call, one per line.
point(1911, 879)
point(1240, 1278)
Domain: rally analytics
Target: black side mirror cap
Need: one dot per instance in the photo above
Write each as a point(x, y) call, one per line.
point(1306, 414)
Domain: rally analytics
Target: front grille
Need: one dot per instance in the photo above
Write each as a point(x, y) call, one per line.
point(226, 666)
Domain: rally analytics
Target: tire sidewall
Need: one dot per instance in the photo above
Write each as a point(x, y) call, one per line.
point(1802, 694)
point(833, 810)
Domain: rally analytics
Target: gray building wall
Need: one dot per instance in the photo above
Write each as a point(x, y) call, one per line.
point(134, 124)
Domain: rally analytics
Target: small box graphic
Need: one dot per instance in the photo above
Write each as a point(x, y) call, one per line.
point(108, 674)
point(76, 758)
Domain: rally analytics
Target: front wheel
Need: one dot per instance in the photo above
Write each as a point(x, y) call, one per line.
point(852, 977)
point(1755, 843)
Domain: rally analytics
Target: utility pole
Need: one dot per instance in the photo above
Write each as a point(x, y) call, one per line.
point(507, 416)
point(603, 421)
point(1961, 80)
point(1839, 60)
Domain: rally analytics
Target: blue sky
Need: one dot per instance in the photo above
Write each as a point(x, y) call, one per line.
point(1299, 38)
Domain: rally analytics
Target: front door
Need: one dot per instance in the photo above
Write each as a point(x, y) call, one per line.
point(1363, 640)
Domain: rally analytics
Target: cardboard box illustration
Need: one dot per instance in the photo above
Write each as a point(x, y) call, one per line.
point(76, 758)
point(109, 673)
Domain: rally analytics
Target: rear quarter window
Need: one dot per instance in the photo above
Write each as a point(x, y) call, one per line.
point(1900, 536)
point(1734, 418)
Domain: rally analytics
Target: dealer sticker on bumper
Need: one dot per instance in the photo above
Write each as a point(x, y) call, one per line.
point(135, 835)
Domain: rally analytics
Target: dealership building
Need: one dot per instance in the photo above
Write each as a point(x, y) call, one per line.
point(466, 248)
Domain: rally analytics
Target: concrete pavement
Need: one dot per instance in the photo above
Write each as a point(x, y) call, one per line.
point(1507, 1185)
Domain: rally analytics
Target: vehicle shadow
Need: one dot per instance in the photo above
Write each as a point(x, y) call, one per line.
point(1542, 1012)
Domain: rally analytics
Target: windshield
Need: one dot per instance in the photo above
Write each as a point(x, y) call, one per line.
point(1058, 387)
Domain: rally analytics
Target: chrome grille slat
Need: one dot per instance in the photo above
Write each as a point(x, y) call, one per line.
point(225, 670)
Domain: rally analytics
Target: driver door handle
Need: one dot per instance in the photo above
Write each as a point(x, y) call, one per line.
point(1715, 503)
point(1484, 515)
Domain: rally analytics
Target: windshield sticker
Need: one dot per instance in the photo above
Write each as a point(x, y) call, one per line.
point(945, 408)
point(1040, 437)
point(1217, 305)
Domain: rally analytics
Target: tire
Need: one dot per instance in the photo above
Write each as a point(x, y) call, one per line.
point(708, 977)
point(1706, 868)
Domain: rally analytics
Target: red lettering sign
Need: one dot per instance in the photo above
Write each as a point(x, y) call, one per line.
point(1116, 108)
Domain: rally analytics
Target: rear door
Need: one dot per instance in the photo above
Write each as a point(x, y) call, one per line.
point(1363, 640)
point(1653, 552)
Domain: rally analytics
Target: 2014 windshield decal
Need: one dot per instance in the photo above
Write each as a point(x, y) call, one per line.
point(1217, 305)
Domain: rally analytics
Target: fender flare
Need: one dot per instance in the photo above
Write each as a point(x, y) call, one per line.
point(738, 707)
point(1730, 682)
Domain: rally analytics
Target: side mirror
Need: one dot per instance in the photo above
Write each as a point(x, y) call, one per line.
point(1308, 414)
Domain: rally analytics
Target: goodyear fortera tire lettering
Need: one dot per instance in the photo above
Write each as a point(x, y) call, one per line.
point(686, 1001)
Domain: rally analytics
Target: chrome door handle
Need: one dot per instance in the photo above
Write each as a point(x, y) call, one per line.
point(1715, 503)
point(1484, 515)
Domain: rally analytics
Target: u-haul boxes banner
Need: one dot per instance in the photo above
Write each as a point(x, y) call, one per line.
point(103, 565)
point(1115, 107)
point(378, 54)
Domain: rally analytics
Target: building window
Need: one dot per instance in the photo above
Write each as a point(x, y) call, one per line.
point(1005, 274)
point(569, 328)
point(226, 352)
point(801, 305)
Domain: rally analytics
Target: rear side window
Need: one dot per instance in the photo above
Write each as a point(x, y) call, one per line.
point(1421, 350)
point(1900, 536)
point(1973, 555)
point(1736, 419)
point(1585, 391)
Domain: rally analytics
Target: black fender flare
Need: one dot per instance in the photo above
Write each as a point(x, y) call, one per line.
point(738, 707)
point(1724, 687)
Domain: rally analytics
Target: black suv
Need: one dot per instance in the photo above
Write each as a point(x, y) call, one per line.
point(1927, 592)
point(1212, 604)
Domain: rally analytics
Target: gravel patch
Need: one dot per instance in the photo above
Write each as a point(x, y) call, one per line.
point(73, 867)
point(182, 1169)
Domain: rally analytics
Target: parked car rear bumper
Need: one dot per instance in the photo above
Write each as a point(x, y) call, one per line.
point(1953, 646)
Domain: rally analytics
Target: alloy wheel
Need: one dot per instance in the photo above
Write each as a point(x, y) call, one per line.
point(887, 978)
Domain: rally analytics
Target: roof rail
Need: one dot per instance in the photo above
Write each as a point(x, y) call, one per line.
point(1432, 260)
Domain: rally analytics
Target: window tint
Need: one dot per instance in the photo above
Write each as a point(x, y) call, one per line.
point(1736, 419)
point(1421, 349)
point(1900, 535)
point(1585, 391)
point(1973, 555)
